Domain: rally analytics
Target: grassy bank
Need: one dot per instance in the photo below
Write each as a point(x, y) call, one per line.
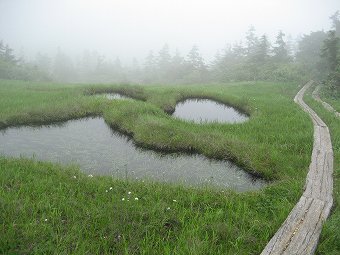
point(330, 238)
point(275, 143)
point(329, 97)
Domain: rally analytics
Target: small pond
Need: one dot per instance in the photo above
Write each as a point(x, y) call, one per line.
point(113, 96)
point(205, 110)
point(99, 150)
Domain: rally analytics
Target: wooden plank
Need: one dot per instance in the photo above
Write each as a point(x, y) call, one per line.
point(327, 106)
point(299, 233)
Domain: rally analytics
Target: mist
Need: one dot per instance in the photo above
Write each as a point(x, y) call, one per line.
point(128, 29)
point(158, 41)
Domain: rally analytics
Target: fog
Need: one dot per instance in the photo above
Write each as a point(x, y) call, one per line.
point(131, 28)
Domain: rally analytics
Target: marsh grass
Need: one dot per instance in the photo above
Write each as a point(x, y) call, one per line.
point(330, 237)
point(275, 143)
point(330, 97)
point(47, 208)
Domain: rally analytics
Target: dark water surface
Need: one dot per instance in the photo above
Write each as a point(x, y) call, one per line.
point(205, 110)
point(101, 151)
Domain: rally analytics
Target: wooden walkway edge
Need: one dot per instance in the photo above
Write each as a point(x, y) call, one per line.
point(299, 234)
point(327, 106)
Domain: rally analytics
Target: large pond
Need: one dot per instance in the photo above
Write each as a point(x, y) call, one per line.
point(205, 110)
point(99, 150)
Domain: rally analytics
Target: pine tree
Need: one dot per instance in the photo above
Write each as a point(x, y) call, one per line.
point(251, 42)
point(336, 23)
point(280, 50)
point(150, 70)
point(164, 58)
point(150, 62)
point(63, 69)
point(261, 54)
point(330, 50)
point(308, 53)
point(2, 49)
point(8, 56)
point(195, 60)
point(177, 69)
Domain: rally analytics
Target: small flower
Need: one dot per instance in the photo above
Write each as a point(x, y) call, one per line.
point(74, 177)
point(174, 200)
point(110, 188)
point(136, 198)
point(168, 208)
point(45, 220)
point(123, 199)
point(90, 175)
point(129, 193)
point(106, 191)
point(118, 237)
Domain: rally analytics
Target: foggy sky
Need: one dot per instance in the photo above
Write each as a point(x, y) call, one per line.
point(128, 28)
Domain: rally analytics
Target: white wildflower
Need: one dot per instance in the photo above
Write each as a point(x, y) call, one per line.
point(136, 198)
point(90, 175)
point(123, 199)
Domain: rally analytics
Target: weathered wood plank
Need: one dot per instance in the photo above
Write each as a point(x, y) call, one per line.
point(327, 106)
point(299, 234)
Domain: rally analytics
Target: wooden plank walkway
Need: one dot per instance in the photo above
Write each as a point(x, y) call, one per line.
point(299, 234)
point(327, 106)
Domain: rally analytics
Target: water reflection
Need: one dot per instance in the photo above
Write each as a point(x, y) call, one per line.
point(205, 110)
point(113, 96)
point(99, 150)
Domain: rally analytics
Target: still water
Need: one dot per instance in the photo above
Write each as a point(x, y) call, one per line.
point(112, 96)
point(205, 110)
point(99, 150)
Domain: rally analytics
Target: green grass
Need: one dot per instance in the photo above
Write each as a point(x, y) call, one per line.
point(329, 97)
point(81, 217)
point(330, 238)
point(275, 143)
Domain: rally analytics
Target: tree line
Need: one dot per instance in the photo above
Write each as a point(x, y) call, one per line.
point(14, 68)
point(316, 55)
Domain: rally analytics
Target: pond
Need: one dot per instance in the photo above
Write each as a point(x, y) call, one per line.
point(113, 96)
point(99, 150)
point(205, 110)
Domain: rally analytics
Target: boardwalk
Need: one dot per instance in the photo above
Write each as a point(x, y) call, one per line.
point(327, 106)
point(299, 234)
